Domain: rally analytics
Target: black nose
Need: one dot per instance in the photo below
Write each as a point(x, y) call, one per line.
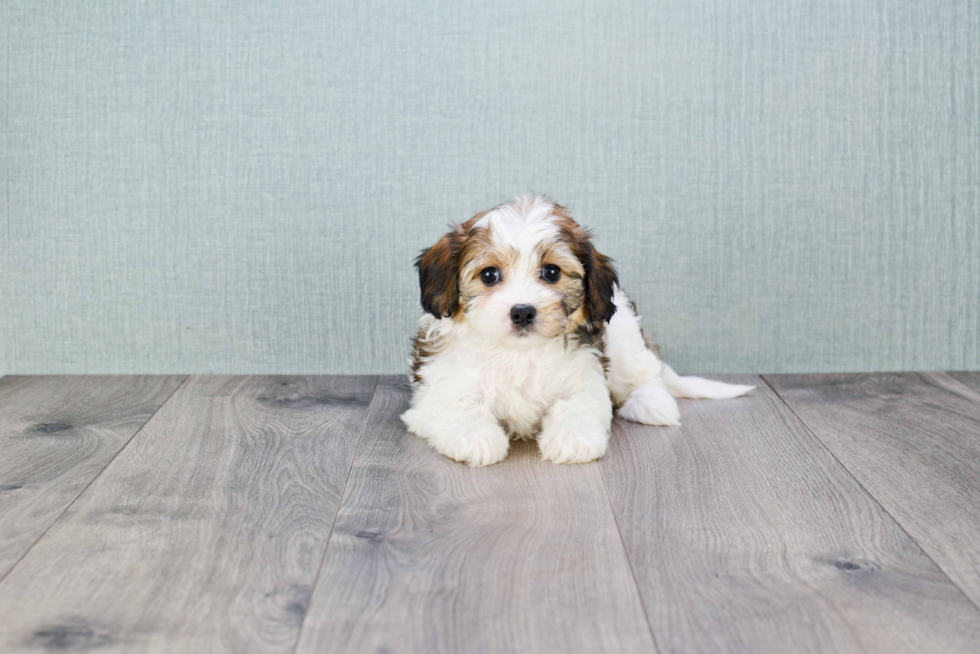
point(522, 314)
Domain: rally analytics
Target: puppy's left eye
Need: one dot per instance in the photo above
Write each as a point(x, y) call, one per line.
point(551, 273)
point(490, 276)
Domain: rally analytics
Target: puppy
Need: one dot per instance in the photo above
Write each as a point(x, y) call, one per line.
point(526, 334)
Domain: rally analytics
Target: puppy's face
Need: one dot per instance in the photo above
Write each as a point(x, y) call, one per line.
point(520, 273)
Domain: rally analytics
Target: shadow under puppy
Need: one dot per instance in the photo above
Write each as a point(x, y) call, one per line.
point(528, 335)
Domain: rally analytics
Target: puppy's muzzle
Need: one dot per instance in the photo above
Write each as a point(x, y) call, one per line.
point(522, 315)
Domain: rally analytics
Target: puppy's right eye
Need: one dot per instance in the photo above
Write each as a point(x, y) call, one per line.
point(490, 276)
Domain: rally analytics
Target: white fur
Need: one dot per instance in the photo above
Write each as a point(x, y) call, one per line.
point(486, 385)
point(641, 383)
point(543, 389)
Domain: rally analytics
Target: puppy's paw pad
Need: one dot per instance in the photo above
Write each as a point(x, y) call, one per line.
point(563, 443)
point(474, 444)
point(651, 404)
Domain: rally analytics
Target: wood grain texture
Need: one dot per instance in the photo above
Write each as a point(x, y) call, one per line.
point(745, 534)
point(56, 435)
point(971, 379)
point(206, 533)
point(429, 555)
point(913, 440)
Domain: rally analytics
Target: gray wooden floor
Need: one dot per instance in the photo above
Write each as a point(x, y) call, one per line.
point(821, 513)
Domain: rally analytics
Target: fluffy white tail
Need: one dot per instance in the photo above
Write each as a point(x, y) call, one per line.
point(697, 388)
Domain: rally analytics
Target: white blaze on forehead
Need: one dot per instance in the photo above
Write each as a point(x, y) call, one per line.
point(521, 224)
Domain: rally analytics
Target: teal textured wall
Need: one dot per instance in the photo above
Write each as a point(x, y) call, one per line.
point(192, 186)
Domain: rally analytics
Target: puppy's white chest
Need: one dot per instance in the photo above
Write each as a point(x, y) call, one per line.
point(521, 386)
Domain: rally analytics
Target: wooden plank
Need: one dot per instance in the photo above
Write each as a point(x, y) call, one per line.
point(56, 435)
point(745, 534)
point(205, 533)
point(429, 555)
point(913, 440)
point(971, 379)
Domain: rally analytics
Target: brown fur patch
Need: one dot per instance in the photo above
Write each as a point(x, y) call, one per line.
point(571, 285)
point(438, 268)
point(599, 274)
point(419, 355)
point(480, 252)
point(422, 350)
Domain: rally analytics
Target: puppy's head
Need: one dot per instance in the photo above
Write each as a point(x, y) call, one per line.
point(519, 273)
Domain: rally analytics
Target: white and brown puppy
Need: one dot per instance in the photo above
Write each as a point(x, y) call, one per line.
point(528, 335)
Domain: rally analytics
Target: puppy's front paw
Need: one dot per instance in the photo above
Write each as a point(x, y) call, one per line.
point(579, 441)
point(476, 444)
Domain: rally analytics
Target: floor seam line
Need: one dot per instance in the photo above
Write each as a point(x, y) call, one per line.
point(629, 562)
point(340, 504)
point(92, 481)
point(897, 522)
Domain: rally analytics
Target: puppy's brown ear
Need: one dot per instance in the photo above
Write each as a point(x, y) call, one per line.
point(439, 275)
point(600, 276)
